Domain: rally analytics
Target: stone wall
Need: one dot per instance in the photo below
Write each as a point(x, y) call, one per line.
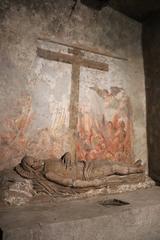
point(28, 87)
point(151, 39)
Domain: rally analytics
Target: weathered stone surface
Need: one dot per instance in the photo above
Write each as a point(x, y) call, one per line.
point(19, 193)
point(86, 219)
point(15, 191)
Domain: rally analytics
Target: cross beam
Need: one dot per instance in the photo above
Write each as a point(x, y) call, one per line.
point(66, 58)
point(74, 57)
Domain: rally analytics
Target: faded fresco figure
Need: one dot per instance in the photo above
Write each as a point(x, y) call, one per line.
point(107, 136)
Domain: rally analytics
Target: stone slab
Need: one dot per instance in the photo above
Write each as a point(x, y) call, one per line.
point(86, 219)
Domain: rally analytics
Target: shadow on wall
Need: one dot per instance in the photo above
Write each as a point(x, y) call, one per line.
point(151, 51)
point(95, 4)
point(1, 234)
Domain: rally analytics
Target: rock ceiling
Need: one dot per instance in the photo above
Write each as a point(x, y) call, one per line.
point(137, 9)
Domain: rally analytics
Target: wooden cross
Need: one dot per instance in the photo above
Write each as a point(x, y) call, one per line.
point(76, 58)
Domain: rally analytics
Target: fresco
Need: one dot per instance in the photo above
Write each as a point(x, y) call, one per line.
point(46, 126)
point(40, 126)
point(50, 90)
point(13, 141)
point(104, 129)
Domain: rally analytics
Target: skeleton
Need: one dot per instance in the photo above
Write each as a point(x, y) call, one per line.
point(57, 176)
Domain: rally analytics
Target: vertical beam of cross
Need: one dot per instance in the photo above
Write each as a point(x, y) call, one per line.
point(74, 105)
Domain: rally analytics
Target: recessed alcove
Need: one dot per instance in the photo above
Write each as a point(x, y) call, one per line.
point(79, 114)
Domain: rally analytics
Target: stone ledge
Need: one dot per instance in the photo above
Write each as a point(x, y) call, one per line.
point(86, 219)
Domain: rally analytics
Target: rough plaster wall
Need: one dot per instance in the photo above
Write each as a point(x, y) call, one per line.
point(151, 39)
point(22, 23)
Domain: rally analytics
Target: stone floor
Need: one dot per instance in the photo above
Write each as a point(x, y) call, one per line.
point(86, 219)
